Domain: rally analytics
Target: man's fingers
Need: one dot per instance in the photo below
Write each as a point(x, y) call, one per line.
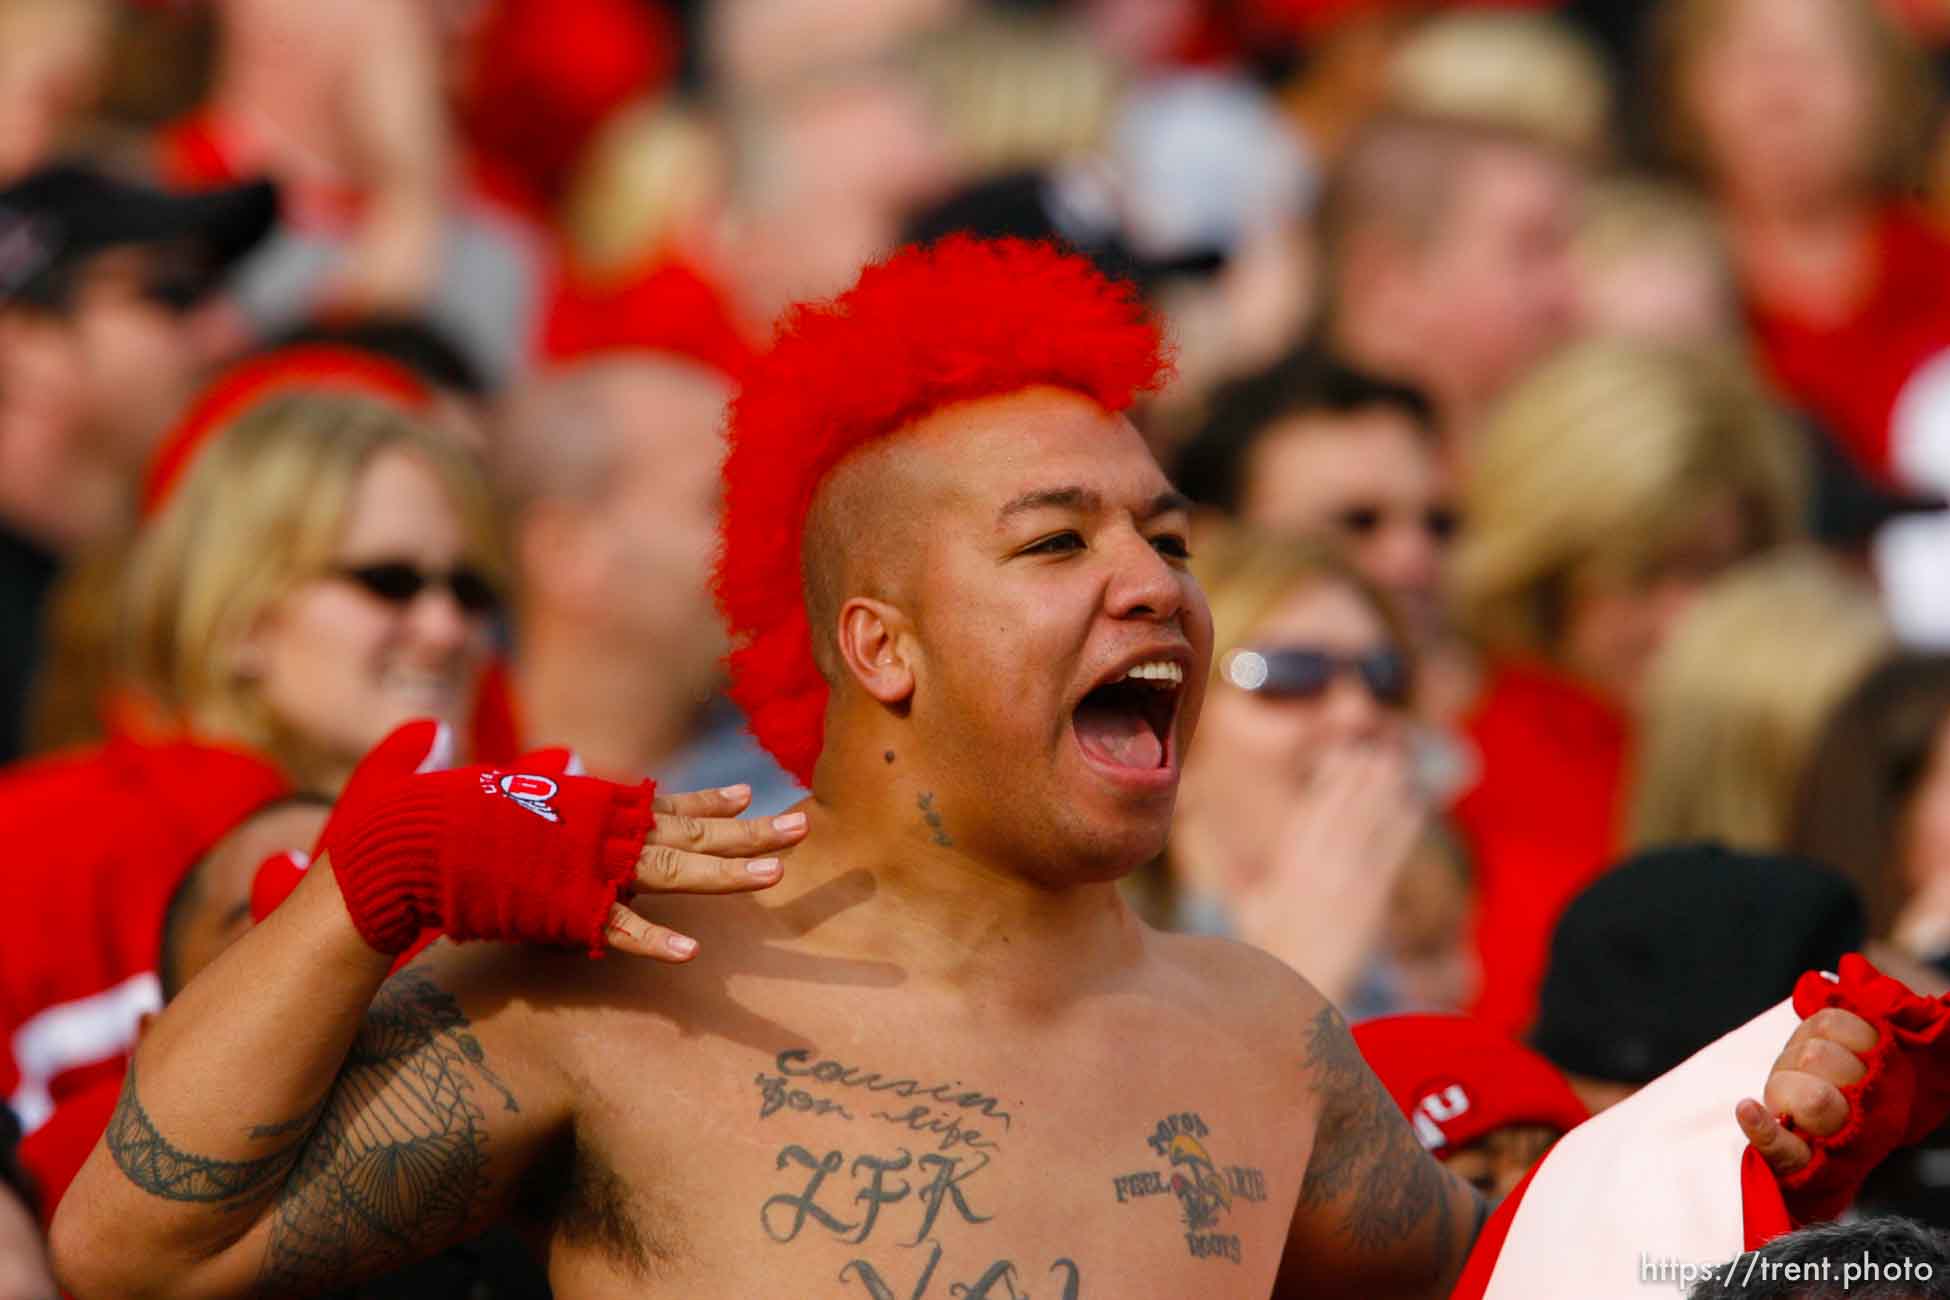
point(628, 932)
point(1816, 1105)
point(662, 869)
point(1826, 1059)
point(728, 837)
point(1843, 1027)
point(728, 802)
point(1783, 1151)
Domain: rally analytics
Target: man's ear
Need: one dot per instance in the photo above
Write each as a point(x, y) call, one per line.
point(874, 646)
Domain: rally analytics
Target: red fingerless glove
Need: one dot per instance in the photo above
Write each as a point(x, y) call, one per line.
point(528, 854)
point(1903, 1097)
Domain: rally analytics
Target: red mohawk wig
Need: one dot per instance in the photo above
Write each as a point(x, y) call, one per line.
point(959, 320)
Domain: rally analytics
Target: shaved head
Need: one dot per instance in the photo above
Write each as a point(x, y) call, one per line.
point(865, 536)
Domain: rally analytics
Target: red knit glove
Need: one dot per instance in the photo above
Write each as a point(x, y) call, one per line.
point(417, 747)
point(526, 856)
point(1904, 1096)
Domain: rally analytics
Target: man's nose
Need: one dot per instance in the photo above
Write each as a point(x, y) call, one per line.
point(1143, 583)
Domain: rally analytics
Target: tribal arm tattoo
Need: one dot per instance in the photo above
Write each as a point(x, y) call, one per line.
point(396, 1165)
point(1377, 1213)
point(389, 1166)
point(147, 1159)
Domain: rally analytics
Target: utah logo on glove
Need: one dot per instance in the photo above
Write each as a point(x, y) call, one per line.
point(530, 791)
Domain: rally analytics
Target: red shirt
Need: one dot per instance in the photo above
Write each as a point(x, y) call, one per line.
point(1542, 822)
point(1848, 374)
point(96, 842)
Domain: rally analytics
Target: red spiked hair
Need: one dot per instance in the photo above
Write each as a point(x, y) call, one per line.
point(959, 320)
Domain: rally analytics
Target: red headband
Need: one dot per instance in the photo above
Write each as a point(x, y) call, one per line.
point(959, 320)
point(310, 366)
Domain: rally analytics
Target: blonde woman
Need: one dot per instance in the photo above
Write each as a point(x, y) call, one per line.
point(1609, 489)
point(1301, 811)
point(321, 572)
point(1738, 696)
point(324, 572)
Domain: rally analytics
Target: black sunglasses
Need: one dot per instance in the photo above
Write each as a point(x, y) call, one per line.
point(398, 582)
point(1303, 673)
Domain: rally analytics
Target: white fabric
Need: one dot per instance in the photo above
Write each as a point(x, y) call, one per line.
point(1629, 1196)
point(1912, 555)
point(75, 1034)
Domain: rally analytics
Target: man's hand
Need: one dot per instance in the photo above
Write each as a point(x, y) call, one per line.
point(533, 854)
point(699, 847)
point(1822, 1056)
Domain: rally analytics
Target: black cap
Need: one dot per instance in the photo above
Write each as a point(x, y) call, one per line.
point(1069, 208)
point(54, 219)
point(1678, 946)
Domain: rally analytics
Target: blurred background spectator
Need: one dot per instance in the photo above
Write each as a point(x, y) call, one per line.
point(1565, 386)
point(1481, 1103)
point(1875, 802)
point(609, 469)
point(1610, 489)
point(1302, 816)
point(1737, 696)
point(1675, 947)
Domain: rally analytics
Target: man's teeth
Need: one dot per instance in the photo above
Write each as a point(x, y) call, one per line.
point(1163, 674)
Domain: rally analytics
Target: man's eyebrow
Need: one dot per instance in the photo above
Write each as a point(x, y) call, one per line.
point(1171, 499)
point(1060, 498)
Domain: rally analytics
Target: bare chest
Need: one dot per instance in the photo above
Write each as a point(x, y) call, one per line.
point(886, 1156)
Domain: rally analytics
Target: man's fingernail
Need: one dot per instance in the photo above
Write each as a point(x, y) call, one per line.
point(735, 791)
point(789, 822)
point(682, 946)
point(763, 869)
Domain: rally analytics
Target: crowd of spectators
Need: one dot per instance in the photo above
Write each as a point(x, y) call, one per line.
point(1564, 389)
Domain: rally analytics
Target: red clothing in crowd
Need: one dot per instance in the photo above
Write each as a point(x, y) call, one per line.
point(670, 306)
point(1541, 823)
point(96, 843)
point(1849, 373)
point(542, 77)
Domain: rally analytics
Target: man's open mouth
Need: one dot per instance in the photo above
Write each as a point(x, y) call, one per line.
point(1128, 722)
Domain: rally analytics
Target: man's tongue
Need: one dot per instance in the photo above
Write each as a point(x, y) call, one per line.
point(1118, 734)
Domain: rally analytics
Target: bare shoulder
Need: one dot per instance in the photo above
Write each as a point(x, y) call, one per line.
point(1238, 984)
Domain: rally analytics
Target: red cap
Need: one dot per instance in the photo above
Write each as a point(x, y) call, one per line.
point(670, 306)
point(307, 366)
point(1457, 1079)
point(546, 75)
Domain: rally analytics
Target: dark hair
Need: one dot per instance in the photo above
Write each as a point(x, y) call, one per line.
point(1896, 1259)
point(1857, 787)
point(1211, 468)
point(188, 893)
point(414, 342)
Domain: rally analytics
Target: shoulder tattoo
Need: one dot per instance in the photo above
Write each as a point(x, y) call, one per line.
point(397, 1158)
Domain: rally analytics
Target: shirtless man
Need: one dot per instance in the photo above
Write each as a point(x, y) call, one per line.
point(939, 1058)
